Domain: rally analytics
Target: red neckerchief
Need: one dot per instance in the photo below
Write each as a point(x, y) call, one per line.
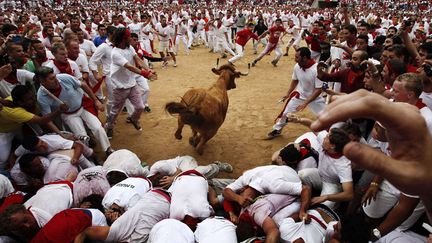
point(57, 91)
point(310, 63)
point(291, 25)
point(44, 35)
point(64, 67)
point(334, 155)
point(12, 78)
point(89, 30)
point(420, 104)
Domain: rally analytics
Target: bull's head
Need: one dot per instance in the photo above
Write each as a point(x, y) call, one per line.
point(230, 74)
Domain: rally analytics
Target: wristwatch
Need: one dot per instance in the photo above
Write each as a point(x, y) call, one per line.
point(376, 233)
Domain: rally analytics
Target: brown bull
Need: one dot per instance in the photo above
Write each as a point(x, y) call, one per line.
point(205, 109)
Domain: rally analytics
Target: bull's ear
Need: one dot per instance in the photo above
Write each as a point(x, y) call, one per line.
point(216, 71)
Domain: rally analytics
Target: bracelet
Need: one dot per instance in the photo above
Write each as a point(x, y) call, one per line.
point(374, 184)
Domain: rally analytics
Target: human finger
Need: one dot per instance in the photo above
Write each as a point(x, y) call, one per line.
point(401, 174)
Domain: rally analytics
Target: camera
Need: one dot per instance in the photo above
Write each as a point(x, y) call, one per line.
point(407, 23)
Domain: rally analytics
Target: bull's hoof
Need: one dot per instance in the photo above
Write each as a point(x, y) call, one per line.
point(192, 141)
point(178, 136)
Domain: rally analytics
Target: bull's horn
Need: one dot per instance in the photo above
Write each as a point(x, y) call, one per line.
point(245, 74)
point(217, 63)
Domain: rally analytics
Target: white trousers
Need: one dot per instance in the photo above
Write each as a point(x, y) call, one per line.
point(143, 84)
point(262, 41)
point(183, 39)
point(311, 177)
point(269, 47)
point(222, 46)
point(240, 54)
point(75, 123)
point(316, 106)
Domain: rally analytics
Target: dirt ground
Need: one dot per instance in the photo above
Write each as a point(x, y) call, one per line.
point(251, 113)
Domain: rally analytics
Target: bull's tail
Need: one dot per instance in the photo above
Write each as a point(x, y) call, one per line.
point(188, 114)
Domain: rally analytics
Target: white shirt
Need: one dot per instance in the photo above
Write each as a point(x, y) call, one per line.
point(426, 113)
point(89, 48)
point(163, 31)
point(53, 141)
point(170, 166)
point(102, 56)
point(126, 162)
point(427, 99)
point(189, 197)
point(23, 76)
point(307, 80)
point(215, 230)
point(171, 230)
point(59, 198)
point(333, 170)
point(122, 78)
point(6, 187)
point(136, 28)
point(126, 193)
point(59, 168)
point(82, 63)
point(269, 179)
point(135, 224)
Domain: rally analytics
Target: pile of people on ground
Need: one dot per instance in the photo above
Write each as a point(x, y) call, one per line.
point(362, 174)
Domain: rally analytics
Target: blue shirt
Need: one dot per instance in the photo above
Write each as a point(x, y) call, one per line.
point(98, 40)
point(71, 94)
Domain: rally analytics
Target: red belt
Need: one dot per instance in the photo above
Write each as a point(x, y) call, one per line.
point(324, 226)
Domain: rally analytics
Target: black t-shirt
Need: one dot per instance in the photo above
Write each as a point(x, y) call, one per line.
point(259, 29)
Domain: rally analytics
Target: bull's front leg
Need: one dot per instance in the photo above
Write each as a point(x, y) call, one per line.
point(178, 133)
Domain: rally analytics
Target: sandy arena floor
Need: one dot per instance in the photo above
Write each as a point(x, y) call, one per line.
point(252, 110)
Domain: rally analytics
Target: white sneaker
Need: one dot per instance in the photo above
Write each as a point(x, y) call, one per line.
point(175, 65)
point(224, 166)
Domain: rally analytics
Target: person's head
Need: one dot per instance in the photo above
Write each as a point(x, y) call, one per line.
point(391, 30)
point(46, 76)
point(135, 18)
point(60, 53)
point(134, 40)
point(335, 140)
point(16, 54)
point(49, 31)
point(379, 132)
point(357, 58)
point(115, 177)
point(23, 96)
point(17, 220)
point(353, 131)
point(250, 26)
point(56, 40)
point(352, 229)
point(379, 41)
point(80, 34)
point(303, 56)
point(92, 201)
point(385, 55)
point(73, 49)
point(291, 155)
point(113, 213)
point(121, 37)
point(102, 30)
point(334, 32)
point(407, 88)
point(34, 144)
point(163, 21)
point(110, 31)
point(425, 52)
point(278, 22)
point(38, 49)
point(245, 228)
point(75, 22)
point(31, 165)
point(337, 23)
point(398, 52)
point(349, 33)
point(115, 20)
point(393, 68)
point(8, 29)
point(362, 42)
point(363, 28)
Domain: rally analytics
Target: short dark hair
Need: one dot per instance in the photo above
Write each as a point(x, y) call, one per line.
point(101, 26)
point(363, 37)
point(355, 229)
point(25, 161)
point(134, 35)
point(393, 28)
point(379, 40)
point(396, 67)
point(111, 29)
point(115, 177)
point(19, 91)
point(119, 35)
point(290, 154)
point(427, 47)
point(7, 28)
point(43, 72)
point(352, 129)
point(30, 142)
point(304, 52)
point(351, 28)
point(95, 200)
point(339, 138)
point(5, 217)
